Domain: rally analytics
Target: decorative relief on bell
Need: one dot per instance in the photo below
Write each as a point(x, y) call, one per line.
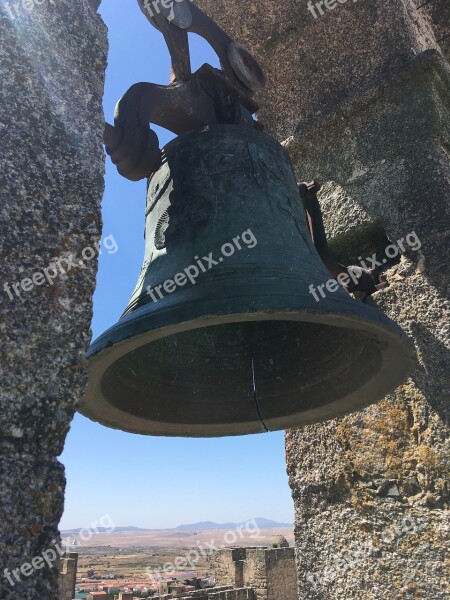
point(158, 187)
point(160, 231)
point(181, 222)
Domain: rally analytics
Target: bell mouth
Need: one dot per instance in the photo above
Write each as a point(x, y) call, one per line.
point(241, 374)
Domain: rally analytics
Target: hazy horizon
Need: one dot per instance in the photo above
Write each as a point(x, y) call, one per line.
point(274, 525)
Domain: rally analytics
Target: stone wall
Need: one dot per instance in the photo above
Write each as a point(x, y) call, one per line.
point(315, 65)
point(219, 593)
point(239, 594)
point(255, 571)
point(281, 574)
point(227, 566)
point(361, 96)
point(51, 181)
point(204, 594)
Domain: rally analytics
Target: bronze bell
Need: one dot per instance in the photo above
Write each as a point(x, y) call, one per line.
point(222, 335)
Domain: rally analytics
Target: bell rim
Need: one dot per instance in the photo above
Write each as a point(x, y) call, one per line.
point(398, 361)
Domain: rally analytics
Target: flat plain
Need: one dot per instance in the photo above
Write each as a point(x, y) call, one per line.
point(131, 555)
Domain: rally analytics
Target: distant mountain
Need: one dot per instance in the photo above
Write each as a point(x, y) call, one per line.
point(206, 525)
point(202, 526)
point(104, 529)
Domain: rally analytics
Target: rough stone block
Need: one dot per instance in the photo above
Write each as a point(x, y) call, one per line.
point(52, 59)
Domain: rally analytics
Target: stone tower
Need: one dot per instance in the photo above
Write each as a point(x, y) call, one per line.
point(68, 575)
point(359, 92)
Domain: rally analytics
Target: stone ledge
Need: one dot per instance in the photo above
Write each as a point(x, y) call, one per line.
point(387, 153)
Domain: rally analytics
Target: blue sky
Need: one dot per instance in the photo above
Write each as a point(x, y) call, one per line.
point(149, 481)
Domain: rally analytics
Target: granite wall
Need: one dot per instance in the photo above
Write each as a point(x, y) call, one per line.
point(52, 63)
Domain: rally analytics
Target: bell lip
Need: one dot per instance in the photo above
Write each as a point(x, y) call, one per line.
point(398, 352)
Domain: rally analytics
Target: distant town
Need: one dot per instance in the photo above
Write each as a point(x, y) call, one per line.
point(201, 561)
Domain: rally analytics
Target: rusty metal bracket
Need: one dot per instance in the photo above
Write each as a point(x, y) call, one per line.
point(192, 100)
point(360, 282)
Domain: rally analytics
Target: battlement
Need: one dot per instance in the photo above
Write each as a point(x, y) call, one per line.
point(219, 593)
point(270, 572)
